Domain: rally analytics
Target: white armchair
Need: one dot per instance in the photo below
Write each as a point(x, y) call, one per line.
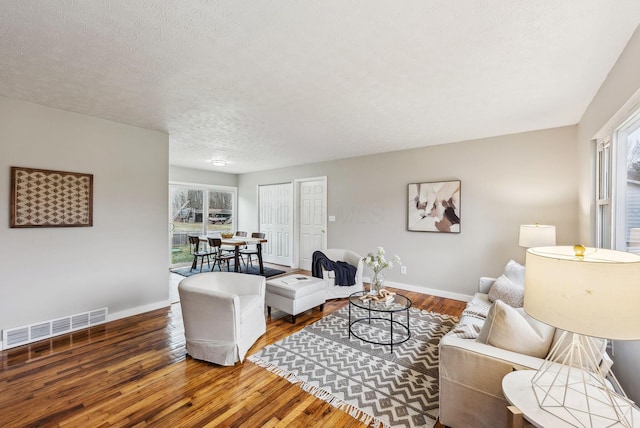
point(223, 315)
point(338, 291)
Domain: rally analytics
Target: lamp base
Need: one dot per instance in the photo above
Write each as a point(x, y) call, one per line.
point(571, 385)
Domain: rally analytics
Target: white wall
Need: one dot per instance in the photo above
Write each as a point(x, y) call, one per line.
point(121, 262)
point(610, 101)
point(199, 176)
point(506, 181)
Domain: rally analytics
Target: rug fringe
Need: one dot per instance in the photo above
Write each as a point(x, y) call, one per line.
point(274, 369)
point(320, 393)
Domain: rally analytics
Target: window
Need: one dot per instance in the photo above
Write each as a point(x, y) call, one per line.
point(603, 192)
point(198, 210)
point(618, 188)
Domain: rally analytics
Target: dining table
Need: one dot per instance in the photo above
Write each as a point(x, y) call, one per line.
point(237, 242)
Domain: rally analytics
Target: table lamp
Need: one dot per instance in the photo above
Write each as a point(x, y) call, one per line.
point(589, 293)
point(537, 235)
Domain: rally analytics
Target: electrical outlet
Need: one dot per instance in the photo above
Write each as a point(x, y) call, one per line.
point(403, 270)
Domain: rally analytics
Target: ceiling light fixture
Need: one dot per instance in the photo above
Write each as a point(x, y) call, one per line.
point(218, 162)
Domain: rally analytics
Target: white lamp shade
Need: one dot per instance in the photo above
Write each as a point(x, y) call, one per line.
point(537, 235)
point(595, 295)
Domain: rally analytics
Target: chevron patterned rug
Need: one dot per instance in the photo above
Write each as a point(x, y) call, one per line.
point(378, 387)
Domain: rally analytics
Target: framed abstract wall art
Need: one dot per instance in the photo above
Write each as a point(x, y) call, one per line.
point(434, 207)
point(44, 198)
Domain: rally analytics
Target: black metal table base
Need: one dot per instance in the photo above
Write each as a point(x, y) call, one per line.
point(404, 335)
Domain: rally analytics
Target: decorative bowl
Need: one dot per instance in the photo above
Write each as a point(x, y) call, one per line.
point(226, 235)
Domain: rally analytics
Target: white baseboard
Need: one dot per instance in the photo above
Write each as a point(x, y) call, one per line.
point(425, 290)
point(138, 310)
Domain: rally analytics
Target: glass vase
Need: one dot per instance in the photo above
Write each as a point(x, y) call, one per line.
point(377, 283)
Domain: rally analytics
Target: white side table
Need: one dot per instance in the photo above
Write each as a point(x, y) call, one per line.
point(518, 391)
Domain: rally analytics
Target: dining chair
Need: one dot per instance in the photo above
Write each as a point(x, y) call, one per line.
point(251, 249)
point(194, 247)
point(219, 256)
point(232, 249)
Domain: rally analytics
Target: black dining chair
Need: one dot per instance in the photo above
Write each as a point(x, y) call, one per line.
point(194, 247)
point(219, 256)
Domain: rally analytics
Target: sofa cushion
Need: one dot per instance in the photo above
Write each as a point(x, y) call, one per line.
point(599, 347)
point(515, 272)
point(512, 329)
point(508, 291)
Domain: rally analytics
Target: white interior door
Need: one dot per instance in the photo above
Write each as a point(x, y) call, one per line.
point(312, 219)
point(276, 222)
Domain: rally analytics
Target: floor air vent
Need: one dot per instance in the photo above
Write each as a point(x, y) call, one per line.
point(44, 330)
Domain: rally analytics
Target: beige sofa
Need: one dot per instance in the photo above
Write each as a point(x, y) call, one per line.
point(471, 372)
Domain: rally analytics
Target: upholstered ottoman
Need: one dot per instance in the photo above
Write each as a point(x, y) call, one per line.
point(295, 294)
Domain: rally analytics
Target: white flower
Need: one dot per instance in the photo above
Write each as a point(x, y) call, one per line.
point(377, 262)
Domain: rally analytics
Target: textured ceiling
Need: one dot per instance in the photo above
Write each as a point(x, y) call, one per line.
point(266, 84)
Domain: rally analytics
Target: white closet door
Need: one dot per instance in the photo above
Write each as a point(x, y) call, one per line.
point(276, 222)
point(313, 220)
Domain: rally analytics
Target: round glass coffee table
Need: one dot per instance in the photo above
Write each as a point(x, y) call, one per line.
point(364, 311)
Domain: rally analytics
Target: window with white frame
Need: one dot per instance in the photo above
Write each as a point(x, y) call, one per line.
point(198, 210)
point(618, 188)
point(603, 194)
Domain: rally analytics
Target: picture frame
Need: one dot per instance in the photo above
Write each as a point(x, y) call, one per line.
point(48, 198)
point(434, 206)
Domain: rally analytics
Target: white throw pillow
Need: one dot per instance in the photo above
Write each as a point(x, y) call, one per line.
point(599, 347)
point(515, 272)
point(512, 329)
point(508, 291)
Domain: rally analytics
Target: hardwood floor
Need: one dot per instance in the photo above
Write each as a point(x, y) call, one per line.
point(135, 372)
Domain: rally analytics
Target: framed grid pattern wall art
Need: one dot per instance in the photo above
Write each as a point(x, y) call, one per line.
point(45, 198)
